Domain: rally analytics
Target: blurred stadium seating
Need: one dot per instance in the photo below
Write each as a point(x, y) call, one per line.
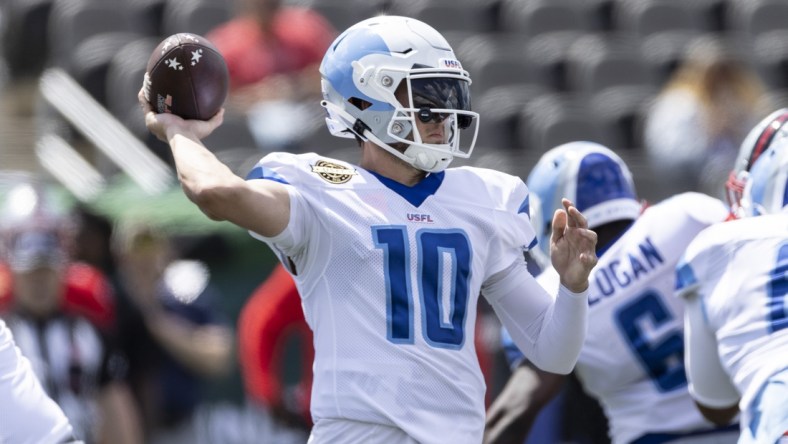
point(544, 70)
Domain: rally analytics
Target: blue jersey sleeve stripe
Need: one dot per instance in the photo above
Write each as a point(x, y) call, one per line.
point(685, 277)
point(533, 244)
point(261, 172)
point(525, 207)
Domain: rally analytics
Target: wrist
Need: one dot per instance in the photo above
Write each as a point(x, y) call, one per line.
point(173, 131)
point(576, 288)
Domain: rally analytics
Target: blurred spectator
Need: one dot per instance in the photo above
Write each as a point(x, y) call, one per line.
point(273, 53)
point(270, 325)
point(92, 239)
point(72, 358)
point(269, 320)
point(169, 330)
point(696, 124)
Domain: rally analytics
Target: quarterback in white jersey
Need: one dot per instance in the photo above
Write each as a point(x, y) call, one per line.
point(28, 415)
point(391, 256)
point(632, 359)
point(733, 278)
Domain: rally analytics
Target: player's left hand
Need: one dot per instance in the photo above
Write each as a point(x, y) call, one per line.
point(572, 247)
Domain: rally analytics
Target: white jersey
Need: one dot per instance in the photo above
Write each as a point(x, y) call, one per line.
point(389, 278)
point(633, 357)
point(738, 271)
point(28, 415)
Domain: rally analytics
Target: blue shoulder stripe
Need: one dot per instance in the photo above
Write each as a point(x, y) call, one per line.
point(261, 172)
point(685, 277)
point(525, 207)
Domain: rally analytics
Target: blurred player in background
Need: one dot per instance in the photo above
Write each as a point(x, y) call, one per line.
point(734, 280)
point(270, 321)
point(170, 330)
point(390, 257)
point(700, 117)
point(77, 364)
point(29, 415)
point(632, 360)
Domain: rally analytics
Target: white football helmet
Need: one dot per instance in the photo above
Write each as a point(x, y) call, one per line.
point(365, 66)
point(766, 190)
point(768, 131)
point(33, 227)
point(592, 176)
point(535, 209)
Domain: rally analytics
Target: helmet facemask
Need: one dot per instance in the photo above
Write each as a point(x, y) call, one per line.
point(428, 97)
point(403, 81)
point(424, 95)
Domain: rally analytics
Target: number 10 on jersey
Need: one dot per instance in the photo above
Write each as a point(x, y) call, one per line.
point(443, 268)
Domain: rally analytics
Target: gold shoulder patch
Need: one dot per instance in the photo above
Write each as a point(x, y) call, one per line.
point(332, 172)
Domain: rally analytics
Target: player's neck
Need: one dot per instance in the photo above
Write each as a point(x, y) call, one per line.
point(386, 164)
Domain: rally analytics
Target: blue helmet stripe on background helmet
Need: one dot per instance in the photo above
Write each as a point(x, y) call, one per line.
point(600, 179)
point(337, 65)
point(592, 176)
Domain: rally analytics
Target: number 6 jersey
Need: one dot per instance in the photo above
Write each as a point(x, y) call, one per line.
point(633, 357)
point(389, 277)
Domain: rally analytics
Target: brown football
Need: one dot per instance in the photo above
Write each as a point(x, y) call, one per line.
point(187, 76)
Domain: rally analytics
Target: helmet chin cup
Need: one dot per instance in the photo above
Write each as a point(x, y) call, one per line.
point(423, 162)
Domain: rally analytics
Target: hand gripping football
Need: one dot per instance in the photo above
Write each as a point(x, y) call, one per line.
point(186, 76)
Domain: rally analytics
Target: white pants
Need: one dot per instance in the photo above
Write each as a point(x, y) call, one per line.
point(341, 431)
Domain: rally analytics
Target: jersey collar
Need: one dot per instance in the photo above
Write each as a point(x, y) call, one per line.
point(418, 193)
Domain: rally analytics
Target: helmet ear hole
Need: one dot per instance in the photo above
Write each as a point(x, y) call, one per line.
point(361, 104)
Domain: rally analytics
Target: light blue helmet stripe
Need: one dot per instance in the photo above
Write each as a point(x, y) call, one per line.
point(337, 65)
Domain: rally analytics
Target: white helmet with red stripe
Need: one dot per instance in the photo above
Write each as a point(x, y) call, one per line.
point(766, 191)
point(768, 131)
